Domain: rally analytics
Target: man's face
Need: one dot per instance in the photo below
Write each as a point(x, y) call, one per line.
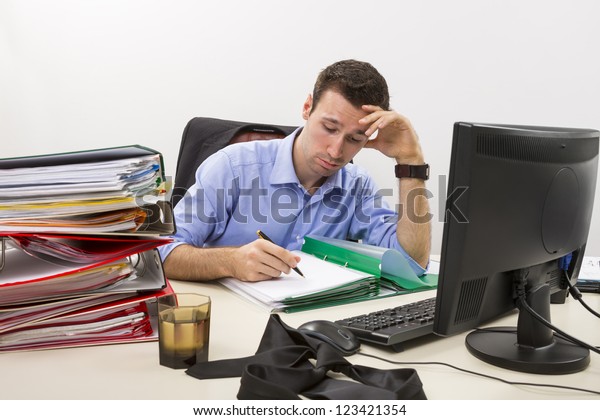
point(331, 137)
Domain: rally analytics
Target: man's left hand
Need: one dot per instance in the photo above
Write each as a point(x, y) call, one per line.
point(395, 135)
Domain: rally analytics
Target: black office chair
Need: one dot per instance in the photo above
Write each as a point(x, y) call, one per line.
point(204, 136)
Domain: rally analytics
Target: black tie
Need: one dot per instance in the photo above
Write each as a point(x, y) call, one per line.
point(281, 370)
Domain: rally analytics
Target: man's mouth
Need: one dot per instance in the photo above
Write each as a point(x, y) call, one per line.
point(327, 164)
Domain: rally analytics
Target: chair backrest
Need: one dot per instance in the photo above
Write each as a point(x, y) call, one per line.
point(204, 136)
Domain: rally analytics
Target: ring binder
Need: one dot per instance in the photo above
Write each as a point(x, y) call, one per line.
point(384, 263)
point(105, 191)
point(139, 263)
point(2, 253)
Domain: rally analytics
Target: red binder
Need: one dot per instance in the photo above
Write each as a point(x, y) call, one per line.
point(79, 250)
point(126, 320)
point(26, 278)
point(47, 301)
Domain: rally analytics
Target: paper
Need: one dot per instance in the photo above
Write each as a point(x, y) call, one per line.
point(81, 321)
point(68, 250)
point(29, 279)
point(590, 269)
point(434, 267)
point(96, 191)
point(17, 316)
point(109, 323)
point(319, 276)
point(59, 289)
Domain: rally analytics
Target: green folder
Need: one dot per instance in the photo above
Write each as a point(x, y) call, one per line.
point(353, 292)
point(383, 263)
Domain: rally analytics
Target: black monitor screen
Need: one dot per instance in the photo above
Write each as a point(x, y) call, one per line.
point(517, 218)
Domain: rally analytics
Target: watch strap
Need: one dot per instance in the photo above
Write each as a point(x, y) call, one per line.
point(412, 171)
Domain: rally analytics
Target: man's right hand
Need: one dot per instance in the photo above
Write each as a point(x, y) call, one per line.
point(262, 260)
point(256, 261)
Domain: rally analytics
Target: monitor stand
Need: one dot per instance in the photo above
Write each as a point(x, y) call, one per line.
point(532, 347)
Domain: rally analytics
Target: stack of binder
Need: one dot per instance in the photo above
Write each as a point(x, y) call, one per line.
point(78, 238)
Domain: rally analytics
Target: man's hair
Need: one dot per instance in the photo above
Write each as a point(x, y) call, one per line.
point(357, 81)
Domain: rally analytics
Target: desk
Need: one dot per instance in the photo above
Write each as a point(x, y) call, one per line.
point(131, 371)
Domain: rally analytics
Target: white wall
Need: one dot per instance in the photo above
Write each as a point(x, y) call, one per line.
point(87, 74)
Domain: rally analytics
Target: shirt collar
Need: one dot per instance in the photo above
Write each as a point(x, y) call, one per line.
point(283, 167)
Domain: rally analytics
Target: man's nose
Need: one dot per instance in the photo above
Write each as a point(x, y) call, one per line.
point(336, 147)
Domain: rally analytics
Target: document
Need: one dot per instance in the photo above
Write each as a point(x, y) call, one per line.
point(77, 323)
point(78, 258)
point(16, 316)
point(323, 284)
point(590, 269)
point(96, 191)
point(68, 250)
point(26, 279)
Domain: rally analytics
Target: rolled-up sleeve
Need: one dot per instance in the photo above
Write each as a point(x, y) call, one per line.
point(203, 211)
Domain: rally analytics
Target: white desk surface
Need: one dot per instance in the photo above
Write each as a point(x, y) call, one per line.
point(132, 371)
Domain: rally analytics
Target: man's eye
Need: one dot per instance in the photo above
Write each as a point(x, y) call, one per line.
point(329, 129)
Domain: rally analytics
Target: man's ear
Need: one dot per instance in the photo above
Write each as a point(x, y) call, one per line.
point(307, 107)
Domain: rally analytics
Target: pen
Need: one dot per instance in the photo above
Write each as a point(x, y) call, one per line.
point(264, 236)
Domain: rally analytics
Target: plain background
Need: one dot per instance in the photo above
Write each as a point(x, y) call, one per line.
point(90, 74)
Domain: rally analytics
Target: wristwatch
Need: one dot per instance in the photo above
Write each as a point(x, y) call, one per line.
point(412, 171)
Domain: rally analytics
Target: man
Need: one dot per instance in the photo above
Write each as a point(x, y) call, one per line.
point(304, 184)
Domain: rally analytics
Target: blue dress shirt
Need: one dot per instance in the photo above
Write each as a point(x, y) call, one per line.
point(250, 186)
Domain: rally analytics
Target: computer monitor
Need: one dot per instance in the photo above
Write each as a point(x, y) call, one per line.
point(519, 206)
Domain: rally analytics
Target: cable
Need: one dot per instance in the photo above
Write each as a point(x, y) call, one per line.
point(521, 302)
point(482, 374)
point(525, 305)
point(578, 296)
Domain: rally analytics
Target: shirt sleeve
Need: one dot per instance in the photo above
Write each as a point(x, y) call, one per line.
point(203, 211)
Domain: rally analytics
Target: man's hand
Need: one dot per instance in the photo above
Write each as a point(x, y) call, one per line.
point(259, 260)
point(396, 138)
point(262, 260)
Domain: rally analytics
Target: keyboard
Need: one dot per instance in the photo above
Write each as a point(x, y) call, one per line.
point(393, 326)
